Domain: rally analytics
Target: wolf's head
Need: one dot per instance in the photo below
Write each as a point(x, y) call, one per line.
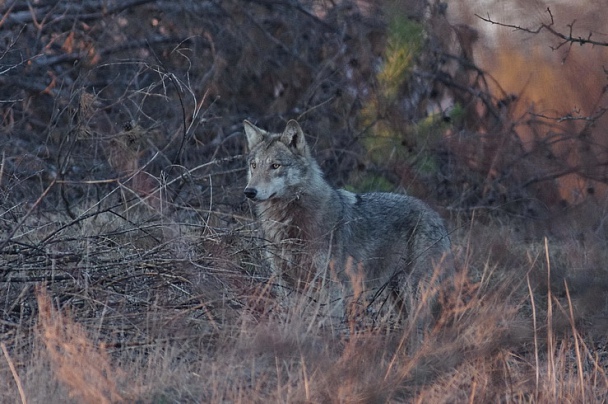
point(279, 163)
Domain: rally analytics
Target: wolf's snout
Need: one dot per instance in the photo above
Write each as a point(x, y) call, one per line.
point(251, 193)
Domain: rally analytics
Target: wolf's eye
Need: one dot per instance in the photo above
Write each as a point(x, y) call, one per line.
point(275, 166)
point(253, 165)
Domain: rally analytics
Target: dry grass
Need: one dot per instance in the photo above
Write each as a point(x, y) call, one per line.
point(200, 333)
point(75, 360)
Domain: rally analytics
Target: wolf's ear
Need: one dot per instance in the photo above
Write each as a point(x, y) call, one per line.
point(254, 134)
point(293, 137)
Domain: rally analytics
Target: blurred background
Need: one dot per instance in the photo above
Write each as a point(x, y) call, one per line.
point(449, 101)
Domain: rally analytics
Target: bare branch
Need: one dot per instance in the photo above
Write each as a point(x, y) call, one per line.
point(573, 116)
point(568, 38)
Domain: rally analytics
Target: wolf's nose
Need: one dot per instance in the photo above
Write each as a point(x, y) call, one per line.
point(250, 193)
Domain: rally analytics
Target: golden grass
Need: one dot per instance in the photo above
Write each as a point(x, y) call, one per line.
point(81, 364)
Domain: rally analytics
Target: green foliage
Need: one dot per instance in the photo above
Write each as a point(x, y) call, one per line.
point(370, 182)
point(457, 114)
point(386, 141)
point(385, 145)
point(411, 144)
point(425, 133)
point(428, 130)
point(405, 38)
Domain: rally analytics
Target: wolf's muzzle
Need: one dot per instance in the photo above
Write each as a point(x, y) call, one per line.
point(251, 193)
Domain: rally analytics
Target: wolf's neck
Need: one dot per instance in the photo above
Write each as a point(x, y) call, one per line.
point(309, 214)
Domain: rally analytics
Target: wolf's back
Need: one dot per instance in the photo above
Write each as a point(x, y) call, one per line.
point(401, 231)
point(398, 215)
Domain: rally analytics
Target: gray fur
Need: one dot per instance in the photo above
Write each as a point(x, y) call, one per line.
point(313, 229)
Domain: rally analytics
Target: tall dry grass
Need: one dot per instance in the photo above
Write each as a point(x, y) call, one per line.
point(507, 332)
point(75, 359)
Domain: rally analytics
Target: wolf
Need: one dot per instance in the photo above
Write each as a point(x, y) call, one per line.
point(394, 243)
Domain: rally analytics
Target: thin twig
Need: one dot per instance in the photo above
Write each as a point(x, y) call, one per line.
point(566, 38)
point(536, 358)
point(550, 346)
point(27, 214)
point(16, 377)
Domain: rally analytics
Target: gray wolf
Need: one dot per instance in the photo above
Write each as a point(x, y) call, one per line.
point(396, 243)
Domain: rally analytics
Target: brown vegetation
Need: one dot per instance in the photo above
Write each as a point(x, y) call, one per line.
point(130, 268)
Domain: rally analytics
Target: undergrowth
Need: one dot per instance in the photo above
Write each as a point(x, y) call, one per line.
point(169, 314)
